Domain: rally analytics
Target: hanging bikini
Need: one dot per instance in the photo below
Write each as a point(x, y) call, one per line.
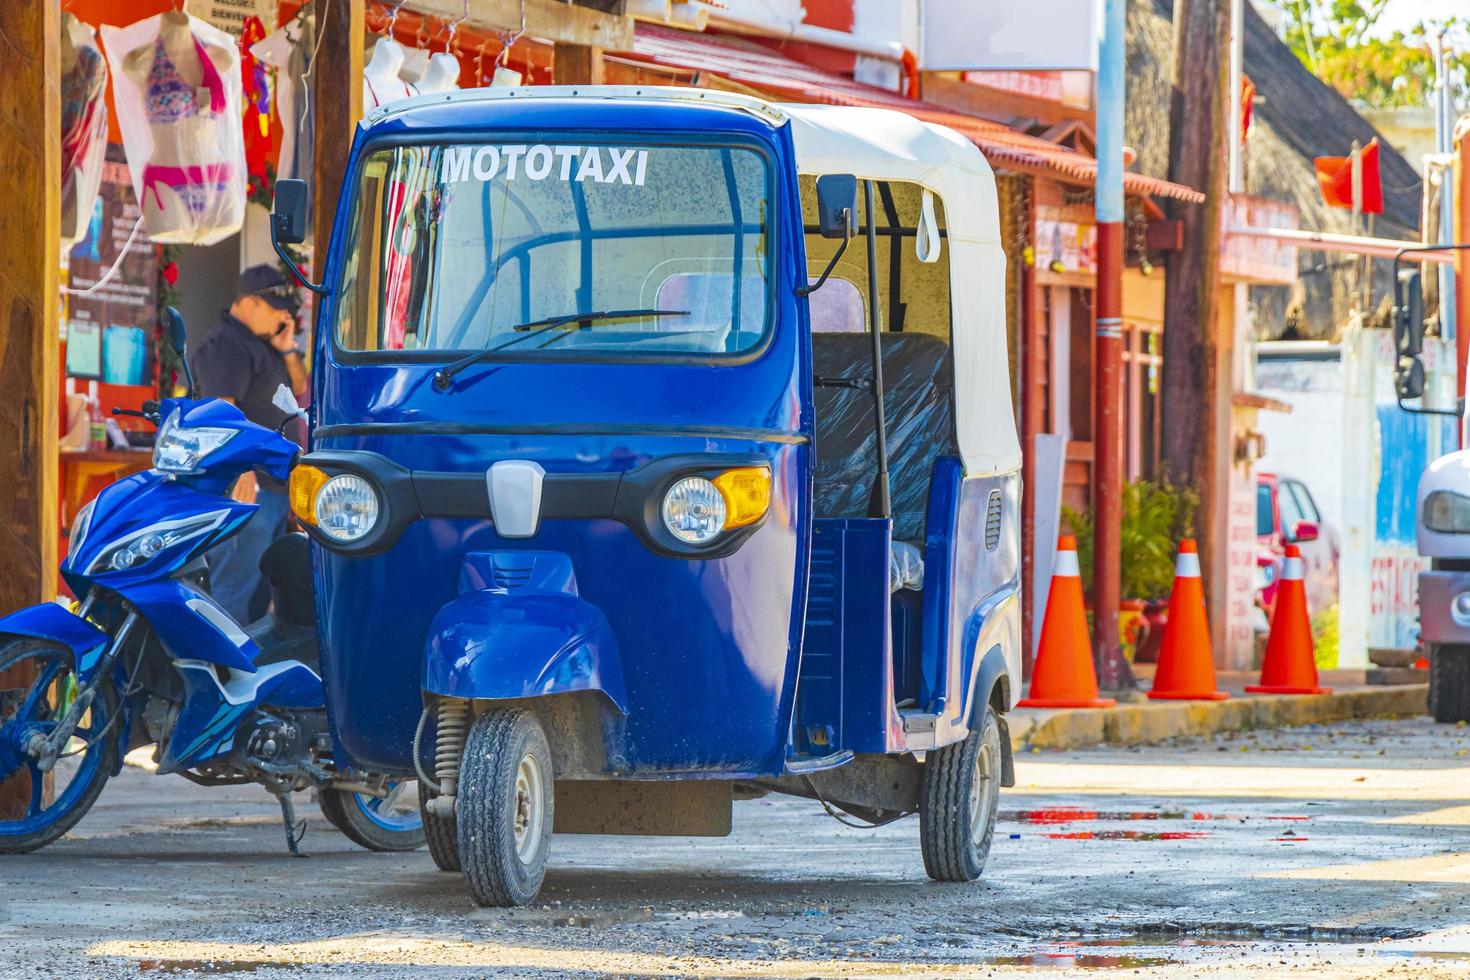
point(83, 128)
point(184, 142)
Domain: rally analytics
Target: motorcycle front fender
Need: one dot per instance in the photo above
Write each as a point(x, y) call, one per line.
point(56, 624)
point(496, 645)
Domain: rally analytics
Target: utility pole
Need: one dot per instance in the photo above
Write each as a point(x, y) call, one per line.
point(1107, 403)
point(1191, 437)
point(336, 87)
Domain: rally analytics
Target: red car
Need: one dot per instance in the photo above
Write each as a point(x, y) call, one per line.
point(1287, 514)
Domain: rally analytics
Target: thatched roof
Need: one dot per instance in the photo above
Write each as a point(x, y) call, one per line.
point(1297, 117)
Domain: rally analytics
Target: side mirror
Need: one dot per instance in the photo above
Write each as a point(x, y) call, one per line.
point(1408, 313)
point(1305, 531)
point(1408, 377)
point(178, 339)
point(288, 226)
point(288, 213)
point(837, 206)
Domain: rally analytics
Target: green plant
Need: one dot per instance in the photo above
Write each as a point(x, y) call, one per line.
point(1156, 515)
point(1324, 638)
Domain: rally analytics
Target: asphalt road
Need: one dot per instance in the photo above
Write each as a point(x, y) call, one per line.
point(1337, 851)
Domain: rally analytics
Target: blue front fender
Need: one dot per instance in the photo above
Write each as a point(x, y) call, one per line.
point(498, 643)
point(56, 624)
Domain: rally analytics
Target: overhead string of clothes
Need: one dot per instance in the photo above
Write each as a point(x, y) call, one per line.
point(288, 50)
point(176, 86)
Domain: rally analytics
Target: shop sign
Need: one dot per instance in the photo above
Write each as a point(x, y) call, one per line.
point(1255, 259)
point(1068, 88)
point(1040, 35)
point(230, 15)
point(1064, 248)
point(109, 333)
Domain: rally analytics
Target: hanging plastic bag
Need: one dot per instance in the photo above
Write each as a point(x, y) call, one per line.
point(176, 86)
point(83, 127)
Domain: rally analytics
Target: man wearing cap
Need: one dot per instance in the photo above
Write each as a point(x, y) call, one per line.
point(248, 354)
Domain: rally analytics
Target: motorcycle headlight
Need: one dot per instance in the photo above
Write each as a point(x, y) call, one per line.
point(1447, 512)
point(346, 508)
point(696, 510)
point(140, 546)
point(181, 448)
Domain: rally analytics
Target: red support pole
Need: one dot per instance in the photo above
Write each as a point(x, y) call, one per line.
point(1107, 462)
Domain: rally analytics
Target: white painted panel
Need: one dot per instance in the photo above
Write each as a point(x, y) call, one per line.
point(1032, 36)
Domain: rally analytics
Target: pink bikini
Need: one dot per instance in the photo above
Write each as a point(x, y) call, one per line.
point(170, 100)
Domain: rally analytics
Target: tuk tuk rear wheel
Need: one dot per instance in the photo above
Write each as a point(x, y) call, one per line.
point(441, 833)
point(961, 795)
point(504, 808)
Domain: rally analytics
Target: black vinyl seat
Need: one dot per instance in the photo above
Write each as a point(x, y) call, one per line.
point(918, 405)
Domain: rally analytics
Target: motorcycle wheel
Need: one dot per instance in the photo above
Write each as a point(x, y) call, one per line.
point(376, 823)
point(37, 685)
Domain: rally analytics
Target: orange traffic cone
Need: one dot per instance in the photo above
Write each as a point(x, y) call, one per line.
point(1063, 676)
point(1289, 667)
point(1186, 660)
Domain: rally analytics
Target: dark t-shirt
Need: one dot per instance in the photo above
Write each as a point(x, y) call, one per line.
point(234, 363)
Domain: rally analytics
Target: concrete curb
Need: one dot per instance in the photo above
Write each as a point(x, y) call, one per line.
point(1139, 724)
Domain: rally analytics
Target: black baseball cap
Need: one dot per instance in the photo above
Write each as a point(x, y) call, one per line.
point(267, 282)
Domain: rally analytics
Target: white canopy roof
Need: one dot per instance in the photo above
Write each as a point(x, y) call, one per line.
point(882, 144)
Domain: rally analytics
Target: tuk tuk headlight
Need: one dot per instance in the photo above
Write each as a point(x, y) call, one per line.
point(694, 510)
point(1447, 512)
point(346, 508)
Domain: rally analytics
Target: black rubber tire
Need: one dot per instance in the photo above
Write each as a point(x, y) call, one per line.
point(441, 833)
point(952, 852)
point(342, 812)
point(488, 806)
point(1449, 682)
point(12, 651)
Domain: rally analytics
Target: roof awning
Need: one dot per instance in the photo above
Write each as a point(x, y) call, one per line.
point(761, 68)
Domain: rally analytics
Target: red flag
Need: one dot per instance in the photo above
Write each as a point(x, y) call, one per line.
point(1247, 105)
point(1335, 177)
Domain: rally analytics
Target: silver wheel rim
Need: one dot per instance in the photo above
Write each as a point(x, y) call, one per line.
point(980, 794)
point(530, 808)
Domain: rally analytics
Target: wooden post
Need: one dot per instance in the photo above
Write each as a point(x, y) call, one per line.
point(30, 236)
point(337, 93)
point(1190, 395)
point(576, 64)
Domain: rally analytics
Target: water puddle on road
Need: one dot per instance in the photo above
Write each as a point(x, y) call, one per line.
point(1085, 961)
point(1077, 814)
point(1061, 816)
point(206, 966)
point(1129, 835)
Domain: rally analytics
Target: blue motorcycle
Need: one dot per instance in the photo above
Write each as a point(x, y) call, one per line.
point(149, 656)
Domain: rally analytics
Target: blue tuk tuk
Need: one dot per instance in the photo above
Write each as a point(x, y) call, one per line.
point(638, 491)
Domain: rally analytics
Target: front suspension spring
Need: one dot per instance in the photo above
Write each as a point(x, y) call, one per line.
point(454, 716)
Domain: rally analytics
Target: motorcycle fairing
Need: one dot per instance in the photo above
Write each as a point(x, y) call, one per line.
point(132, 506)
point(192, 625)
point(56, 624)
point(213, 709)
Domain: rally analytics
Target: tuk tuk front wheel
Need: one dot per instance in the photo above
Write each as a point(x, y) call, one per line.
point(504, 808)
point(441, 833)
point(961, 795)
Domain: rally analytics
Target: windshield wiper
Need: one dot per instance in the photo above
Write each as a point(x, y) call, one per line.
point(445, 375)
